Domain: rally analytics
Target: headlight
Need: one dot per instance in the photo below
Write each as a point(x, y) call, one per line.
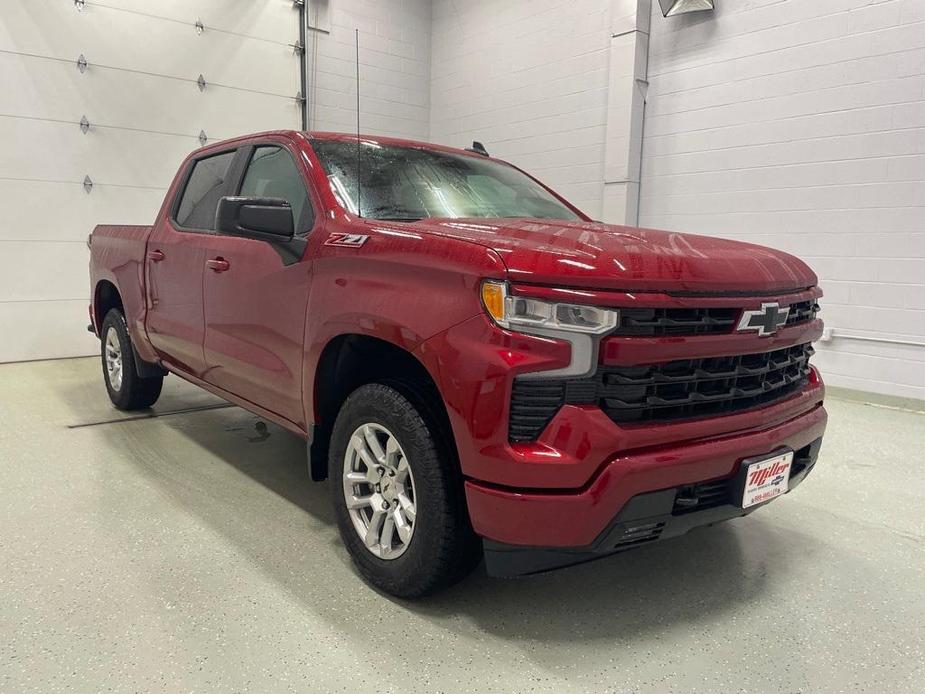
point(526, 315)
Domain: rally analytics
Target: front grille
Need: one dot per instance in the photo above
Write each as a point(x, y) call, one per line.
point(675, 390)
point(654, 322)
point(802, 311)
point(650, 322)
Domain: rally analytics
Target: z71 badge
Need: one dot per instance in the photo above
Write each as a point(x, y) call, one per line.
point(351, 240)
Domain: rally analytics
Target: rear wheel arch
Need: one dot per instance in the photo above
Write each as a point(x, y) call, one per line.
point(351, 360)
point(106, 296)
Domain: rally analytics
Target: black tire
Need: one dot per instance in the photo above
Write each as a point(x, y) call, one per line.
point(443, 548)
point(134, 392)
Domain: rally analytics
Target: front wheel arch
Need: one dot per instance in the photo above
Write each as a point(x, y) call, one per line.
point(351, 360)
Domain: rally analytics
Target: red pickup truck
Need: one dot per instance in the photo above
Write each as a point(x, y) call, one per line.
point(478, 368)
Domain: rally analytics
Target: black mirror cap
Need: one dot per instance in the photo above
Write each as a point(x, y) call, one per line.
point(264, 219)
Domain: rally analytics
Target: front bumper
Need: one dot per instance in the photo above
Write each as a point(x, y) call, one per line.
point(577, 518)
point(646, 518)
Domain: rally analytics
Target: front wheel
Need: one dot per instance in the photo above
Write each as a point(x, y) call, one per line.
point(397, 495)
point(127, 390)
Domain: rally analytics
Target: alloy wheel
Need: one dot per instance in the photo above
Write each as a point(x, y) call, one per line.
point(113, 352)
point(379, 491)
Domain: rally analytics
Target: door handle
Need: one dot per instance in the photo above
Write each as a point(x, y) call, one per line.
point(218, 264)
point(156, 256)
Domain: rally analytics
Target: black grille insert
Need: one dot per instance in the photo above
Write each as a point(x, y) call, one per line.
point(802, 311)
point(675, 390)
point(653, 322)
point(676, 321)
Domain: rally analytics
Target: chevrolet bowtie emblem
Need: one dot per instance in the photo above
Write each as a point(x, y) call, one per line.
point(765, 320)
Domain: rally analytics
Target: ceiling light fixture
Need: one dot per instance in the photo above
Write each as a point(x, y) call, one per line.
point(670, 8)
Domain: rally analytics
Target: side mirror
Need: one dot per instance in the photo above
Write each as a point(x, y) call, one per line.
point(263, 219)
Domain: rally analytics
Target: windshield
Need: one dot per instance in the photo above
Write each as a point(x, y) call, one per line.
point(407, 184)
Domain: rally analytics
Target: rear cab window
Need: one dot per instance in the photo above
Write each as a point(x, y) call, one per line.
point(204, 186)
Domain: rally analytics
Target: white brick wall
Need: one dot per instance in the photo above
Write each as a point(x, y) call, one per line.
point(801, 125)
point(529, 80)
point(394, 68)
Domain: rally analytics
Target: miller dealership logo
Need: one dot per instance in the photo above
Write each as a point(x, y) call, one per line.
point(759, 477)
point(765, 320)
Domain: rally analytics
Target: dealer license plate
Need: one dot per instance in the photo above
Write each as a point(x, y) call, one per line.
point(766, 479)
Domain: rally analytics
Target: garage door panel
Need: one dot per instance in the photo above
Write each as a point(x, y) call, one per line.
point(50, 211)
point(269, 20)
point(107, 155)
point(273, 20)
point(43, 271)
point(145, 110)
point(45, 330)
point(59, 151)
point(56, 30)
point(57, 91)
point(229, 114)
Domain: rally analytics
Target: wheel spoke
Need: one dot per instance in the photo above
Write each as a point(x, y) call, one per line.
point(392, 453)
point(388, 533)
point(402, 525)
point(358, 443)
point(355, 502)
point(356, 477)
point(374, 531)
point(373, 445)
point(407, 507)
point(403, 471)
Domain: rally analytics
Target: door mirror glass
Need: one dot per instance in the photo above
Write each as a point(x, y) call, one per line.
point(264, 219)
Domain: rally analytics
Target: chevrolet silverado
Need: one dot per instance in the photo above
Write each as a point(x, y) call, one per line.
point(478, 368)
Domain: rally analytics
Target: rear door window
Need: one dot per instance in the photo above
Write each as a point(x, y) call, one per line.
point(204, 187)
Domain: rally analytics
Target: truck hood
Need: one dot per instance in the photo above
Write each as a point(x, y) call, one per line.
point(607, 256)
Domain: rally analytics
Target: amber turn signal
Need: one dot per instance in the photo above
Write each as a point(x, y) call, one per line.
point(493, 295)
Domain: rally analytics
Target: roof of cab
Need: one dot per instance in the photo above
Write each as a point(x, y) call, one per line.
point(343, 137)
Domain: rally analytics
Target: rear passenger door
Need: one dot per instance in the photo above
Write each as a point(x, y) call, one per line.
point(255, 296)
point(176, 259)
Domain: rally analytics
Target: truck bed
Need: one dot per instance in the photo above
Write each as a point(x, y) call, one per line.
point(117, 255)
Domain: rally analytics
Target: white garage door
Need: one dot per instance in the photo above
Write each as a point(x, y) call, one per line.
point(141, 94)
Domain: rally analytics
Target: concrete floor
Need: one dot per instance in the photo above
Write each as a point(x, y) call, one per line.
point(190, 553)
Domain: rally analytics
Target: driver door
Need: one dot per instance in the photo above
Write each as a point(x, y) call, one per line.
point(255, 297)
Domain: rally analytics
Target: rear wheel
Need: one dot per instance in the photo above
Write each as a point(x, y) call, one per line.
point(127, 390)
point(397, 495)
